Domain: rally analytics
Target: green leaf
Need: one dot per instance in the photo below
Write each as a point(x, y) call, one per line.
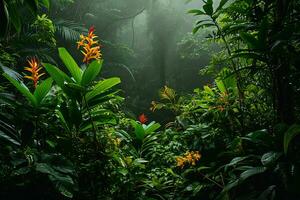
point(250, 40)
point(44, 168)
point(222, 3)
point(14, 16)
point(4, 16)
point(269, 159)
point(9, 138)
point(152, 127)
point(22, 88)
point(205, 25)
point(70, 63)
point(289, 135)
point(91, 72)
point(58, 76)
point(196, 12)
point(221, 86)
point(75, 87)
point(62, 120)
point(46, 3)
point(245, 175)
point(42, 90)
point(251, 172)
point(208, 7)
point(138, 130)
point(102, 86)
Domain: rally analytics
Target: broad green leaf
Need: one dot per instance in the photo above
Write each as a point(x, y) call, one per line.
point(75, 86)
point(42, 90)
point(22, 88)
point(91, 72)
point(152, 127)
point(58, 76)
point(289, 135)
point(138, 130)
point(70, 63)
point(102, 86)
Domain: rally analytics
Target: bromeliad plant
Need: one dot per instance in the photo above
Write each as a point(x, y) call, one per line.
point(143, 137)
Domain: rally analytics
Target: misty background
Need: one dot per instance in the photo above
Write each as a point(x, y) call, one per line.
point(147, 43)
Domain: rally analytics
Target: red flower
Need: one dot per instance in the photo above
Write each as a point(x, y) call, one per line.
point(91, 30)
point(143, 118)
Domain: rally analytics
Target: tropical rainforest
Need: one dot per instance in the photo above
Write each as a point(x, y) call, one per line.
point(150, 99)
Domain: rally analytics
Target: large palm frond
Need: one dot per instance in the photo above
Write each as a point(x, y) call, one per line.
point(68, 30)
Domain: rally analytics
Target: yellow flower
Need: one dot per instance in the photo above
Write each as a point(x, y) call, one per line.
point(189, 158)
point(34, 70)
point(180, 161)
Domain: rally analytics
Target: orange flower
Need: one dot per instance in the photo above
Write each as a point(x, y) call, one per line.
point(188, 158)
point(34, 70)
point(143, 118)
point(91, 47)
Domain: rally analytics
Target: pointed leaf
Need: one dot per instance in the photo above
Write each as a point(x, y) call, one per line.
point(152, 127)
point(292, 132)
point(102, 86)
point(70, 63)
point(208, 7)
point(91, 72)
point(42, 90)
point(196, 12)
point(22, 88)
point(58, 76)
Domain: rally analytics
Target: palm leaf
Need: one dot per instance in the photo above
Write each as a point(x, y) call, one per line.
point(68, 30)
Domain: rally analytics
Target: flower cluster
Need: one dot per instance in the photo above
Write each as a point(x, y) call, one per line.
point(34, 69)
point(188, 158)
point(91, 47)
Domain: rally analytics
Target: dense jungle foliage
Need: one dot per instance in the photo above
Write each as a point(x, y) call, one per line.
point(150, 99)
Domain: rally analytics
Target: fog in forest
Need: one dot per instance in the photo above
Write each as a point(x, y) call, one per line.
point(148, 44)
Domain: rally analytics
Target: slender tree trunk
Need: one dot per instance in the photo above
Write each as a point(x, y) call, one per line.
point(283, 91)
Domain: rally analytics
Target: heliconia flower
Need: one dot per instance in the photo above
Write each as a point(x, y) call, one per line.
point(91, 47)
point(34, 69)
point(143, 118)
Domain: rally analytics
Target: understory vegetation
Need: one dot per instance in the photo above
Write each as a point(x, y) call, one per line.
point(150, 99)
